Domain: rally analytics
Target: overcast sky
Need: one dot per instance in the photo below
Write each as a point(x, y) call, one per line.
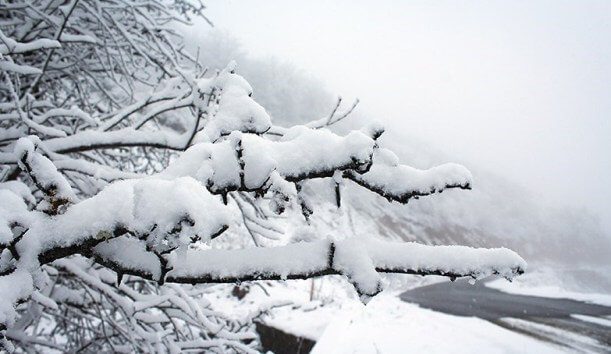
point(520, 87)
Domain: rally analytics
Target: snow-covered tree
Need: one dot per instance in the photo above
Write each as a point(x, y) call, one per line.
point(121, 160)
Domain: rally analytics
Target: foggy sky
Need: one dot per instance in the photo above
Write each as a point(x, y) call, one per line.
point(522, 88)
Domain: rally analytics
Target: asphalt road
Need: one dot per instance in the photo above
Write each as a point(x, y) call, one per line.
point(543, 318)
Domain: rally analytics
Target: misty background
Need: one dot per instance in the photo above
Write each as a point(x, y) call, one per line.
point(516, 91)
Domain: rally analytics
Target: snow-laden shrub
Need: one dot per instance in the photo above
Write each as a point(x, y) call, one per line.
point(121, 160)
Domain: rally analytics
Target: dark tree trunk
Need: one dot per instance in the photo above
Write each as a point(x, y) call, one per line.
point(280, 342)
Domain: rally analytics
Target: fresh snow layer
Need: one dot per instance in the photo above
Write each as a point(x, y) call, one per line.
point(13, 287)
point(165, 212)
point(19, 188)
point(42, 169)
point(388, 325)
point(446, 259)
point(595, 320)
point(302, 152)
point(226, 98)
point(300, 258)
point(12, 210)
point(356, 258)
point(306, 323)
point(551, 332)
point(400, 180)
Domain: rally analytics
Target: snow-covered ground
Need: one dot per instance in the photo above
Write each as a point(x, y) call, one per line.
point(340, 323)
point(596, 320)
point(389, 325)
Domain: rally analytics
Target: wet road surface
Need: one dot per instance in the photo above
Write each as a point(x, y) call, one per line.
point(546, 319)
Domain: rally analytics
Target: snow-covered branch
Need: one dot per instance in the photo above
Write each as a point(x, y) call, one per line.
point(123, 163)
point(400, 183)
point(358, 259)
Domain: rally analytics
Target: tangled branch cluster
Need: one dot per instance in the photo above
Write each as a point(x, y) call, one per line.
point(121, 160)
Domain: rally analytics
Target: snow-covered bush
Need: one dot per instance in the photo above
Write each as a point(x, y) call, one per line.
point(121, 160)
